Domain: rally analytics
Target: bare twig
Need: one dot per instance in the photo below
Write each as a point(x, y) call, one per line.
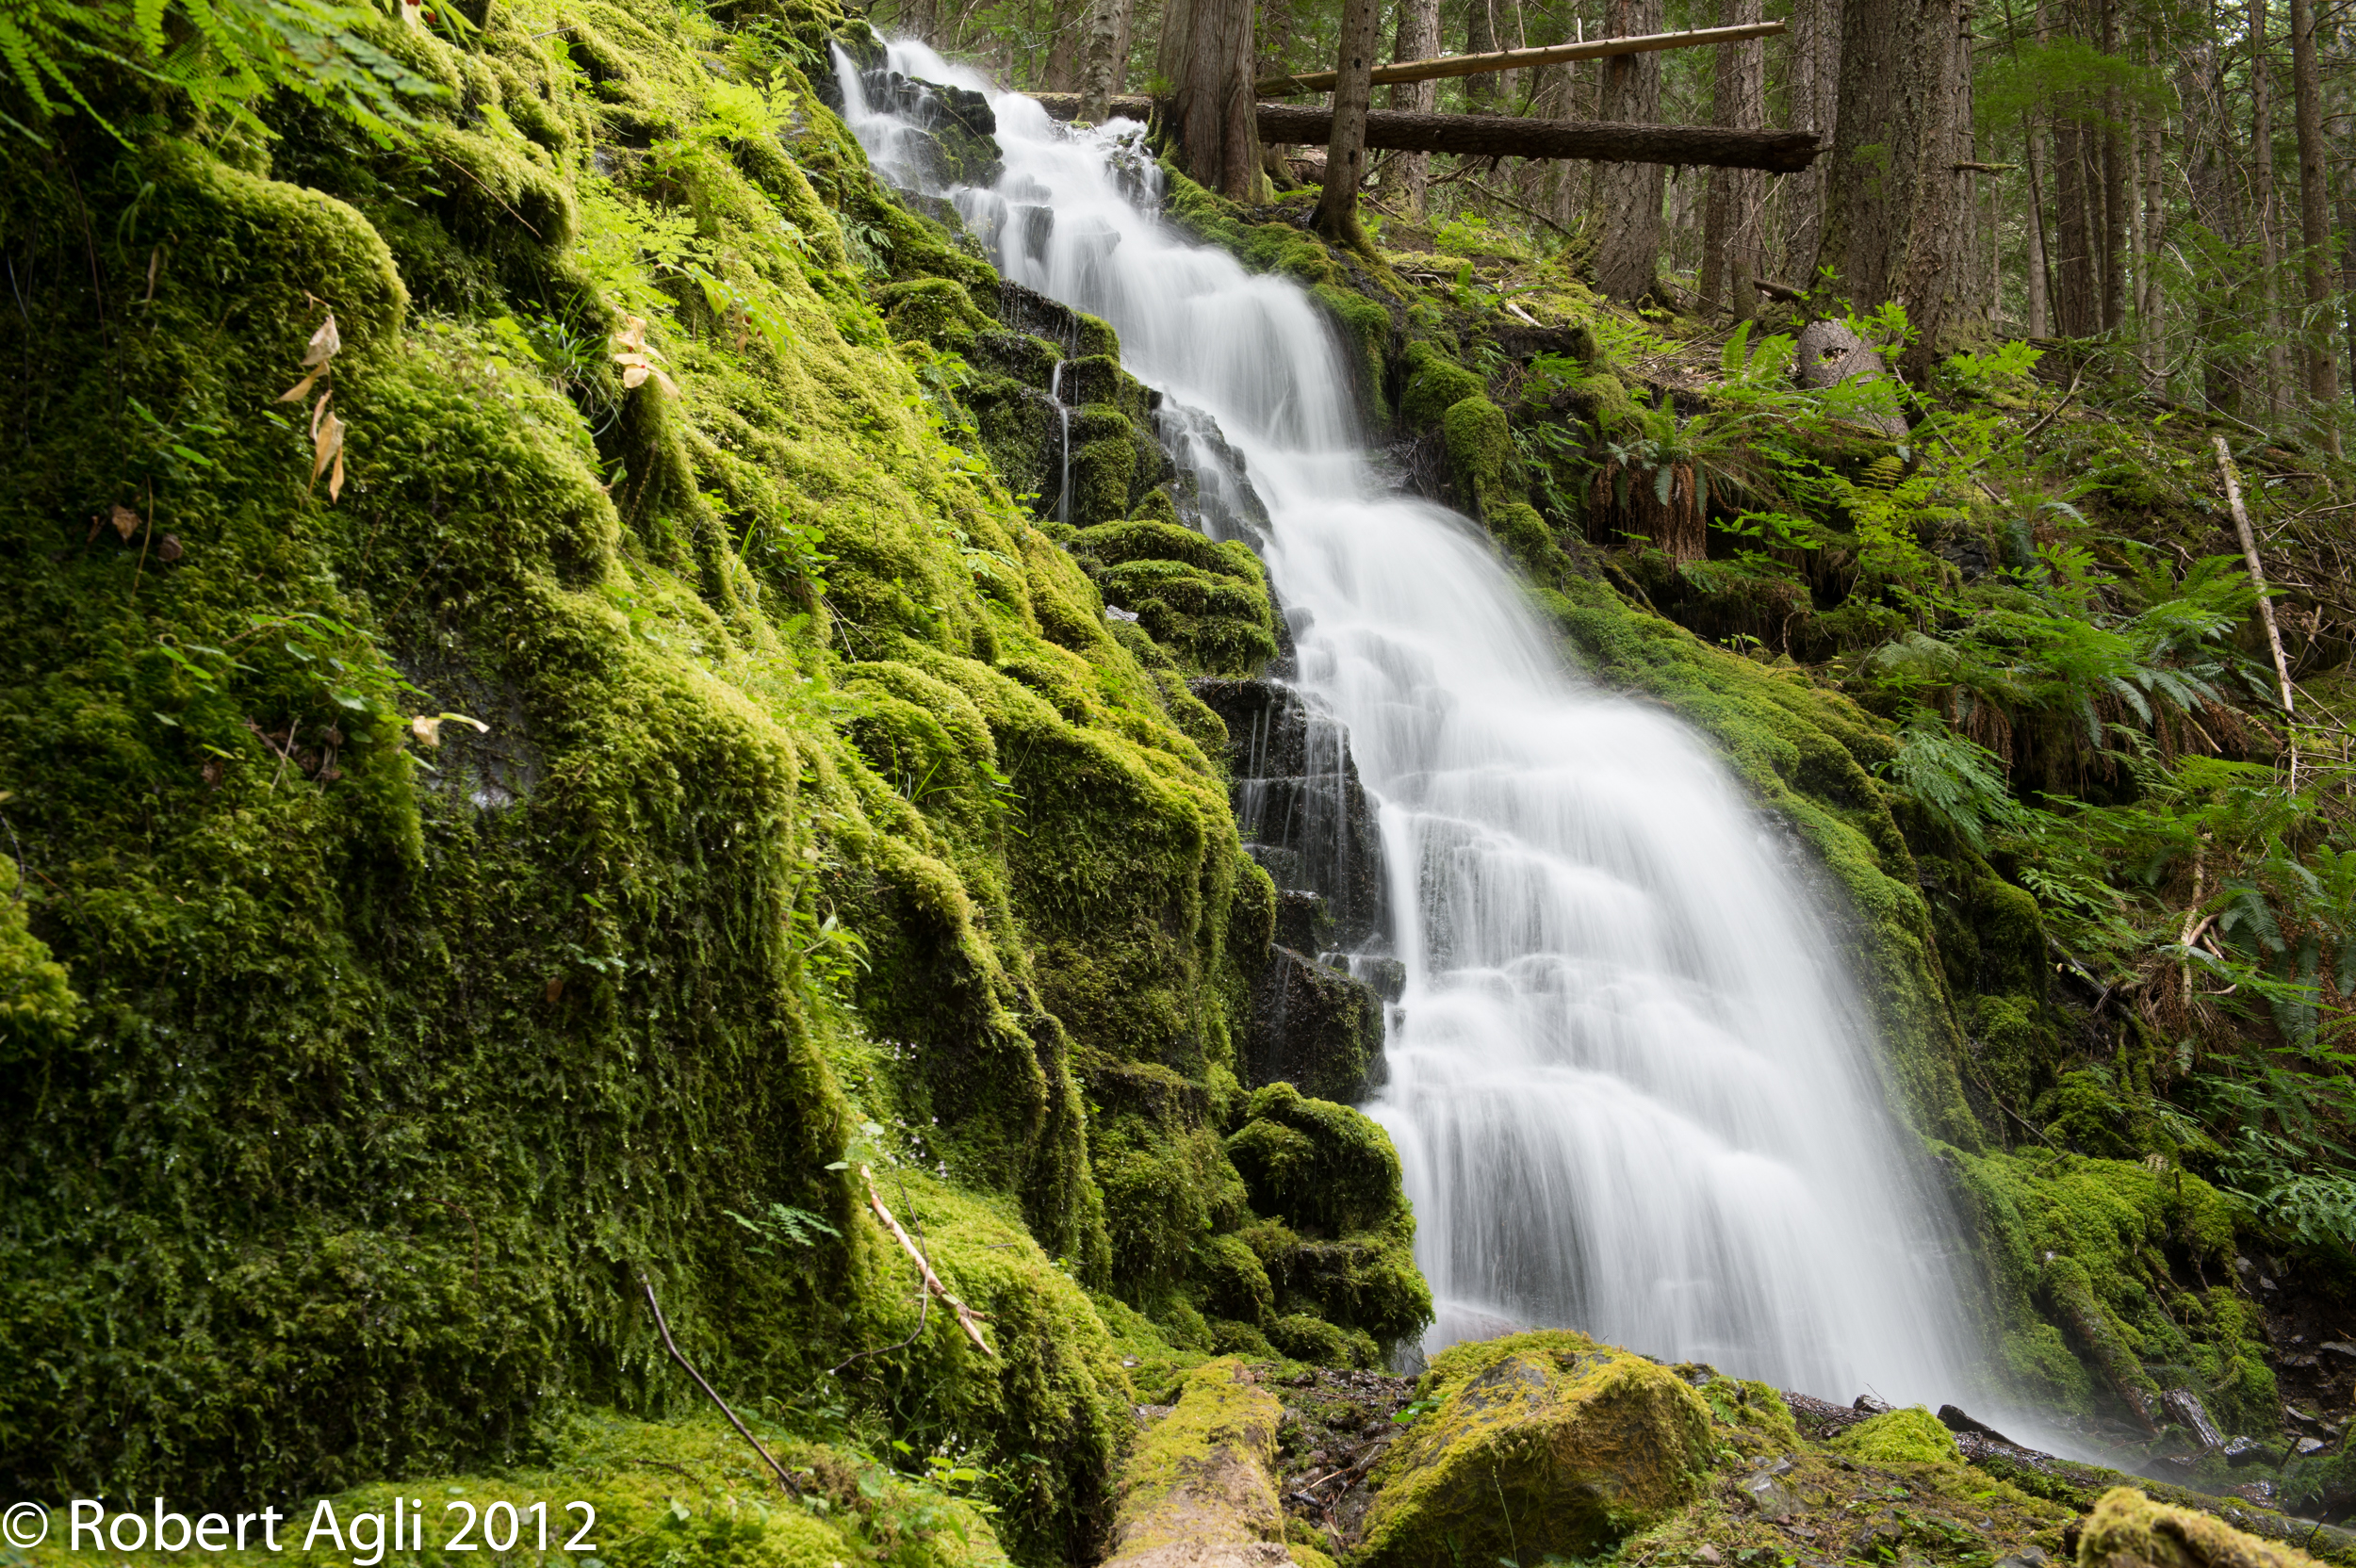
point(2075, 376)
point(2258, 579)
point(785, 1477)
point(968, 1319)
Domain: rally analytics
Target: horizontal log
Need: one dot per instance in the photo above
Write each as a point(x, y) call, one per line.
point(1516, 59)
point(1504, 135)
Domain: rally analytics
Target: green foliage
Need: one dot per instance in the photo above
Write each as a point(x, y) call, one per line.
point(213, 58)
point(1959, 783)
point(1912, 1436)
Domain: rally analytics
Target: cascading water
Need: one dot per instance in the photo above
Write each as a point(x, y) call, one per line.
point(1627, 1083)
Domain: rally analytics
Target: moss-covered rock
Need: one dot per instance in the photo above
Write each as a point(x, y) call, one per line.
point(2127, 1529)
point(1198, 1487)
point(1911, 1436)
point(1540, 1442)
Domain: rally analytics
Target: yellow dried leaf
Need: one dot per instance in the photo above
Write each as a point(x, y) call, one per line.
point(427, 728)
point(632, 337)
point(126, 522)
point(635, 374)
point(336, 479)
point(327, 444)
point(670, 387)
point(301, 389)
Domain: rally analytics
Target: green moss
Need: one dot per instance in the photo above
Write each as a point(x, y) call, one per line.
point(1909, 1436)
point(1542, 1443)
point(1321, 1167)
point(1434, 385)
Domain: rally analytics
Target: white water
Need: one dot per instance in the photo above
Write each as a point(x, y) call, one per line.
point(1627, 1080)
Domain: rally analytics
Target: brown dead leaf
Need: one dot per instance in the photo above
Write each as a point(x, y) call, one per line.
point(211, 772)
point(126, 522)
point(327, 444)
point(97, 521)
point(324, 343)
point(168, 547)
point(556, 988)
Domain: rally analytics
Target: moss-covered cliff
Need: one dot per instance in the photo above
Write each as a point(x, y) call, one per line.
point(657, 769)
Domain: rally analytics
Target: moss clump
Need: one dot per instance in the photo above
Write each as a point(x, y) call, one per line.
point(2127, 1529)
point(1343, 1245)
point(1207, 603)
point(1434, 385)
point(1542, 1441)
point(1323, 1168)
point(1909, 1436)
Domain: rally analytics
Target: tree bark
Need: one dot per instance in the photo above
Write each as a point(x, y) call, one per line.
point(1815, 105)
point(2077, 300)
point(1732, 251)
point(2315, 213)
point(2115, 220)
point(2040, 307)
point(1626, 205)
point(1480, 37)
point(1419, 37)
point(2269, 235)
point(1066, 33)
point(1206, 59)
point(1897, 212)
point(1337, 216)
point(1104, 28)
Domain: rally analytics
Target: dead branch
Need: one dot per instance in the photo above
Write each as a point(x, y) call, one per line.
point(968, 1319)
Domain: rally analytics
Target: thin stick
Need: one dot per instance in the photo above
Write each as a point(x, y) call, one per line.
point(2052, 413)
point(1511, 59)
point(967, 1317)
point(2258, 578)
point(785, 1477)
point(138, 570)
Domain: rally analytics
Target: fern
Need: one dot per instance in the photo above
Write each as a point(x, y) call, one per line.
point(783, 1226)
point(1956, 781)
point(222, 56)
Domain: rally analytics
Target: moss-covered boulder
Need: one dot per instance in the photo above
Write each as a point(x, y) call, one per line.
point(1198, 1489)
point(1206, 602)
point(1542, 1443)
point(2127, 1529)
point(1912, 1436)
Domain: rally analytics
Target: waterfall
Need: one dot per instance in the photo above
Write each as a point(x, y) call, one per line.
point(1628, 1080)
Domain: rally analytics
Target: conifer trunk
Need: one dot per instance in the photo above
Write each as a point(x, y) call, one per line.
point(1732, 254)
point(1419, 37)
point(1207, 57)
point(2315, 216)
point(1336, 217)
point(1627, 205)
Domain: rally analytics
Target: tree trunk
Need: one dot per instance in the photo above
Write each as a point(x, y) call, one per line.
point(2315, 213)
point(1336, 217)
point(1206, 59)
point(1104, 28)
point(1480, 37)
point(1732, 254)
point(1627, 196)
point(1419, 37)
point(2115, 219)
point(2270, 233)
point(2151, 304)
point(1897, 214)
point(2041, 311)
point(1066, 32)
point(1815, 104)
point(2077, 303)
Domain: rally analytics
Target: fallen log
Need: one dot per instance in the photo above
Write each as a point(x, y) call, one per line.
point(1505, 136)
point(1515, 59)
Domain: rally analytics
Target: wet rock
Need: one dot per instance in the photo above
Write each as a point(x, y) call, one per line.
point(2246, 1451)
point(1314, 1028)
point(2185, 1406)
point(1956, 1420)
point(1542, 1443)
